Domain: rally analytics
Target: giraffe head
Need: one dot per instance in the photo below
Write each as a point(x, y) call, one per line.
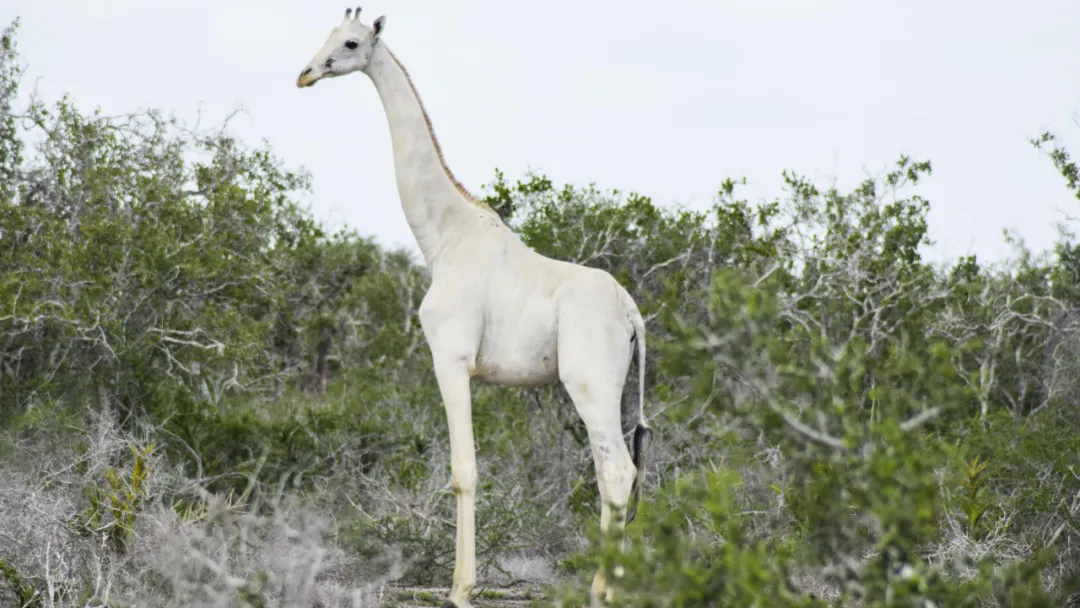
point(348, 49)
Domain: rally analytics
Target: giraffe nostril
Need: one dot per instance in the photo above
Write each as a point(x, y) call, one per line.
point(305, 72)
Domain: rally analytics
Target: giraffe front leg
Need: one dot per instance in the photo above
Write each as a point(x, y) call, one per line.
point(453, 382)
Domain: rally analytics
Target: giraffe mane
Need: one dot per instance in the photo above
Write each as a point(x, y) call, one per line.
point(435, 140)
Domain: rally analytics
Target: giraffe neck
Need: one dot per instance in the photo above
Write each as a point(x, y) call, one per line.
point(437, 207)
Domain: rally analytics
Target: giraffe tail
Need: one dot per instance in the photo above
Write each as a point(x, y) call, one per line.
point(642, 432)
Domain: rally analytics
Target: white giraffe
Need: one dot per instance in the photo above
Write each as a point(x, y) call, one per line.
point(496, 310)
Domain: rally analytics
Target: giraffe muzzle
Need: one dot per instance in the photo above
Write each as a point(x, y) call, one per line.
point(307, 78)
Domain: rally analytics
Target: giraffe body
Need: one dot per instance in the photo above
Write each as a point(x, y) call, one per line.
point(498, 311)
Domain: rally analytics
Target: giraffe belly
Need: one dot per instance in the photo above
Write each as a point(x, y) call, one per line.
point(528, 363)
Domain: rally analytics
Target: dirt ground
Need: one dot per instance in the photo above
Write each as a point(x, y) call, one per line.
point(517, 596)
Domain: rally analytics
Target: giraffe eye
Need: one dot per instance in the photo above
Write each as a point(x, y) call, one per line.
point(352, 44)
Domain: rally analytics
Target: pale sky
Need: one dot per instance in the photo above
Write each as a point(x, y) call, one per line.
point(662, 98)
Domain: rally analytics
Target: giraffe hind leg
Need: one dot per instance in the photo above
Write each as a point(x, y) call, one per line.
point(615, 473)
point(593, 370)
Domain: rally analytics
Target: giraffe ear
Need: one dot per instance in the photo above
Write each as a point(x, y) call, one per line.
point(379, 25)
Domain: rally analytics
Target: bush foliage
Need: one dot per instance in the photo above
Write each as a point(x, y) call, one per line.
point(208, 397)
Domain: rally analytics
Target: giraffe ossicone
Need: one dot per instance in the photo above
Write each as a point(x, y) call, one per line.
point(498, 311)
